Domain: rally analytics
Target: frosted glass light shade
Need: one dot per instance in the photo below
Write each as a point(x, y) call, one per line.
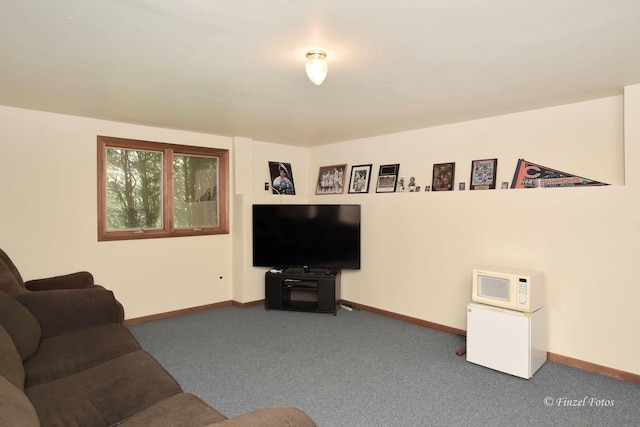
point(316, 66)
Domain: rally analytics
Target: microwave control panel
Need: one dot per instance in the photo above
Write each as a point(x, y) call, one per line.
point(523, 287)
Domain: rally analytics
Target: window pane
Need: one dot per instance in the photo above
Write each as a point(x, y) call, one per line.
point(195, 189)
point(134, 189)
point(149, 190)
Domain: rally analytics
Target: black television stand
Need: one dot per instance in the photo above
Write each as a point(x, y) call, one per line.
point(315, 290)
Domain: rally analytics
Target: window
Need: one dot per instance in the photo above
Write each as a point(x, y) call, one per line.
point(149, 190)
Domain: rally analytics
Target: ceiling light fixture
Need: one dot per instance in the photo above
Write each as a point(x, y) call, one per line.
point(316, 66)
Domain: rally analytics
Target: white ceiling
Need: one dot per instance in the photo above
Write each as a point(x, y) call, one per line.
point(236, 67)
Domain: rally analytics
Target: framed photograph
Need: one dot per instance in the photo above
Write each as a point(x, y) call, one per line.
point(483, 174)
point(331, 179)
point(387, 178)
point(360, 178)
point(281, 178)
point(443, 176)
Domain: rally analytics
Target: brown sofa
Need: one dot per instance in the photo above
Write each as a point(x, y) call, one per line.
point(67, 360)
point(11, 281)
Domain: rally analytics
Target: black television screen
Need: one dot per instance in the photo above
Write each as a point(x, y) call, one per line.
point(314, 236)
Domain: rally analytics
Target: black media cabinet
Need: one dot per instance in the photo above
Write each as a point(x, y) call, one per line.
point(294, 289)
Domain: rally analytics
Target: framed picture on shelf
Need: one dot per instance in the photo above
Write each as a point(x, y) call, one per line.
point(443, 176)
point(387, 178)
point(360, 178)
point(281, 178)
point(483, 174)
point(331, 179)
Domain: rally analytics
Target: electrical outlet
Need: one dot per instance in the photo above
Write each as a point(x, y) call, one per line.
point(266, 186)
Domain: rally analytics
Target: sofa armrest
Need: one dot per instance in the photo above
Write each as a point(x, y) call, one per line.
point(69, 310)
point(270, 417)
point(79, 280)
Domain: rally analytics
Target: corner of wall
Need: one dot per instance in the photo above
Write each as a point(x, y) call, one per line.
point(242, 156)
point(631, 134)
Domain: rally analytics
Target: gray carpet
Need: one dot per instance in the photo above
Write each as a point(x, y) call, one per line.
point(363, 369)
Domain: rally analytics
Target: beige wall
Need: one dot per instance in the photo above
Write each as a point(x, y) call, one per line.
point(48, 216)
point(252, 170)
point(418, 249)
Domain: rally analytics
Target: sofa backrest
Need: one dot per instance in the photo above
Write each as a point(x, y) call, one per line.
point(10, 280)
point(21, 325)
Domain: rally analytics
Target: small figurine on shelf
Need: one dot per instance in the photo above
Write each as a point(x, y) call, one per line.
point(401, 185)
point(412, 184)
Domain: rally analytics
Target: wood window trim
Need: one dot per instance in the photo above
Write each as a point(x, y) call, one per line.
point(168, 150)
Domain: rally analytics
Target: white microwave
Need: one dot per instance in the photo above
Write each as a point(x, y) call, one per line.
point(511, 288)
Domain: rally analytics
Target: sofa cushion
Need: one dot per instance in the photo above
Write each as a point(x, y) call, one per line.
point(15, 408)
point(184, 410)
point(21, 325)
point(71, 353)
point(105, 394)
point(10, 363)
point(66, 310)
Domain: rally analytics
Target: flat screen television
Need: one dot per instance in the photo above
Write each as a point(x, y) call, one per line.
point(306, 236)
